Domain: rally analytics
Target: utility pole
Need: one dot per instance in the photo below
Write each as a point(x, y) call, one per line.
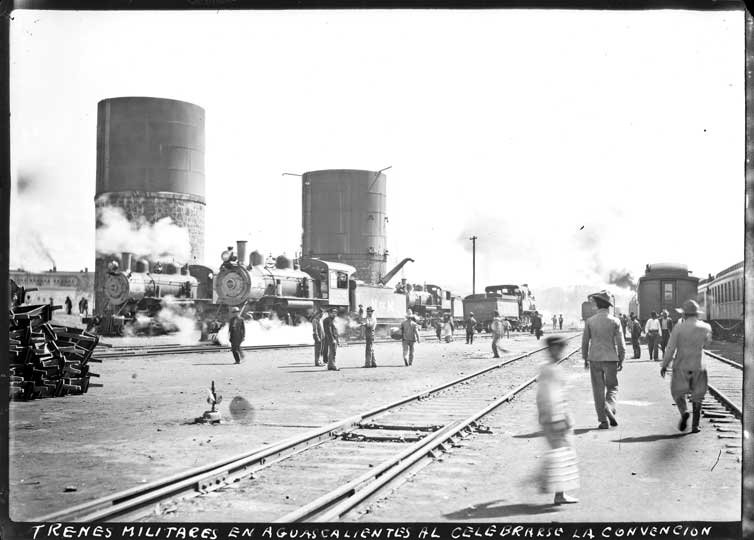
point(473, 264)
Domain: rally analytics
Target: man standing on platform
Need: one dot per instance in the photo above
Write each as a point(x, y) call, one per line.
point(635, 328)
point(603, 350)
point(410, 333)
point(331, 338)
point(471, 323)
point(560, 321)
point(554, 322)
point(370, 325)
point(652, 329)
point(236, 333)
point(689, 370)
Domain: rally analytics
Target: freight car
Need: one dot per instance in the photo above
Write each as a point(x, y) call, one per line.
point(721, 299)
point(665, 286)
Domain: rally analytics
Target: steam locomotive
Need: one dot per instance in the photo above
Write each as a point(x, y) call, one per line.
point(281, 289)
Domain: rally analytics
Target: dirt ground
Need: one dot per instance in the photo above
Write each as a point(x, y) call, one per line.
point(642, 470)
point(139, 425)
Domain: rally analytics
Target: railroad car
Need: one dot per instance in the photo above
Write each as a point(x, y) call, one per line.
point(721, 299)
point(665, 286)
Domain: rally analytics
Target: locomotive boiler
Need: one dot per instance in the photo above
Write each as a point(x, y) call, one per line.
point(260, 289)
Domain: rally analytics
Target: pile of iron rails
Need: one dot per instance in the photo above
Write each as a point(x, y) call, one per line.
point(46, 359)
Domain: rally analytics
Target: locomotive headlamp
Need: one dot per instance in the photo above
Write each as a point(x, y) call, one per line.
point(225, 256)
point(113, 266)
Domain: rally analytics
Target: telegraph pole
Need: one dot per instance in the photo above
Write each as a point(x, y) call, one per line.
point(473, 264)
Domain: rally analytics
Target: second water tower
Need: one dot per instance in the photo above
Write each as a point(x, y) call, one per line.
point(344, 219)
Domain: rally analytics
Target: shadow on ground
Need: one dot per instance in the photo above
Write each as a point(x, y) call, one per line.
point(650, 438)
point(495, 509)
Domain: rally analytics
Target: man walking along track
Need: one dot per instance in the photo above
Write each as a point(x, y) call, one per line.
point(370, 325)
point(236, 334)
point(603, 350)
point(689, 370)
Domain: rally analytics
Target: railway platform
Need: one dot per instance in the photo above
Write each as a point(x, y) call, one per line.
point(642, 470)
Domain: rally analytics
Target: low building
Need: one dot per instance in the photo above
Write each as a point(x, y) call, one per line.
point(56, 285)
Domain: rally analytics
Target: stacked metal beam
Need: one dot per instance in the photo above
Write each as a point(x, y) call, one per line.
point(46, 359)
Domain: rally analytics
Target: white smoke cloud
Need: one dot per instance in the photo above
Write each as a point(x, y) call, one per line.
point(180, 320)
point(270, 332)
point(160, 241)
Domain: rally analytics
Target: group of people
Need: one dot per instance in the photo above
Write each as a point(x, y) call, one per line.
point(557, 321)
point(83, 306)
point(603, 352)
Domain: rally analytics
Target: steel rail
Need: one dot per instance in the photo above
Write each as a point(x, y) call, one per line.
point(341, 500)
point(718, 394)
point(724, 360)
point(208, 477)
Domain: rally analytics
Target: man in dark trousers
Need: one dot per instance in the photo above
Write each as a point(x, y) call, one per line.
point(560, 321)
point(237, 333)
point(331, 338)
point(370, 325)
point(603, 350)
point(68, 305)
point(536, 324)
point(318, 335)
point(471, 323)
point(635, 327)
point(666, 325)
point(410, 337)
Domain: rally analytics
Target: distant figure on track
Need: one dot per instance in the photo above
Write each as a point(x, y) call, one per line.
point(471, 323)
point(85, 305)
point(438, 329)
point(635, 329)
point(560, 321)
point(497, 332)
point(554, 322)
point(506, 328)
point(689, 370)
point(236, 333)
point(666, 325)
point(68, 305)
point(603, 350)
point(536, 324)
point(370, 325)
point(318, 333)
point(331, 339)
point(410, 336)
point(652, 329)
point(561, 465)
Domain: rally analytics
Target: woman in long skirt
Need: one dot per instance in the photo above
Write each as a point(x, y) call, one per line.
point(561, 471)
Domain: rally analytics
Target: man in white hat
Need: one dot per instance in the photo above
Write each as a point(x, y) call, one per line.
point(689, 370)
point(236, 333)
point(369, 325)
point(603, 350)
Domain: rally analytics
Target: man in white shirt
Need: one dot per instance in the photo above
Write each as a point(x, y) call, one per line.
point(652, 329)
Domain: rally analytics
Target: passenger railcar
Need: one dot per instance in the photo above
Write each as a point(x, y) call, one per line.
point(721, 299)
point(665, 286)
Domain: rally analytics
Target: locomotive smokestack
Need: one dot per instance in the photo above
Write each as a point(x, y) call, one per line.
point(125, 261)
point(241, 248)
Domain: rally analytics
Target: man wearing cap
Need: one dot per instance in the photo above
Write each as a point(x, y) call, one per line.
point(603, 350)
point(471, 323)
point(236, 333)
point(652, 329)
point(370, 325)
point(689, 370)
point(536, 324)
point(331, 338)
point(666, 325)
point(410, 333)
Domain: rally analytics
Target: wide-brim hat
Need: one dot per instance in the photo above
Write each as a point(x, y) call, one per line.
point(602, 295)
point(369, 310)
point(235, 310)
point(690, 307)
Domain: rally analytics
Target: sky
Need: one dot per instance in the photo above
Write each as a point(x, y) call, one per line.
point(571, 143)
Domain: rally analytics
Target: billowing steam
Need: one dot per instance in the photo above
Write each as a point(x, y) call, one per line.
point(622, 279)
point(159, 241)
point(270, 332)
point(175, 318)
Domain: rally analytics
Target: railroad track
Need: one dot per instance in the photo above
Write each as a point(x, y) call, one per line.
point(341, 463)
point(725, 385)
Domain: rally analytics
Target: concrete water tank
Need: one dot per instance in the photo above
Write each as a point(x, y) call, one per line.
point(150, 164)
point(344, 218)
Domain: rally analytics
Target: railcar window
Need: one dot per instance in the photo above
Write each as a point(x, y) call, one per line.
point(668, 292)
point(342, 280)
